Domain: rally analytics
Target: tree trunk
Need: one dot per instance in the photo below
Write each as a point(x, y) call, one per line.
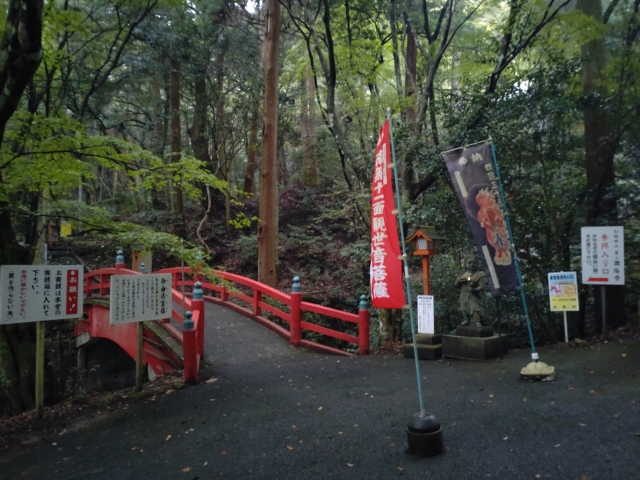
point(308, 131)
point(599, 150)
point(198, 131)
point(268, 228)
point(157, 135)
point(252, 152)
point(176, 148)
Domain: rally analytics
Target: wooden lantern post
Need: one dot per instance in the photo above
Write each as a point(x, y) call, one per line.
point(427, 242)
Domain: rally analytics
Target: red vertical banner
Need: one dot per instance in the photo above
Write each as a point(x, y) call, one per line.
point(386, 266)
point(72, 292)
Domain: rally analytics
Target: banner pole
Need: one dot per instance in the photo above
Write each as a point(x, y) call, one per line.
point(406, 263)
point(534, 354)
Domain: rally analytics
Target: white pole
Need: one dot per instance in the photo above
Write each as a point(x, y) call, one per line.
point(566, 332)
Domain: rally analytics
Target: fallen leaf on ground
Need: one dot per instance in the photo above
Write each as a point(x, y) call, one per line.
point(134, 448)
point(538, 475)
point(557, 445)
point(185, 470)
point(169, 392)
point(224, 452)
point(593, 392)
point(206, 463)
point(211, 380)
point(582, 424)
point(349, 464)
point(624, 354)
point(168, 437)
point(294, 427)
point(289, 447)
point(400, 469)
point(319, 408)
point(506, 437)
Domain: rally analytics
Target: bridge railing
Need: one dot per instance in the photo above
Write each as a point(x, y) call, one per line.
point(190, 330)
point(232, 290)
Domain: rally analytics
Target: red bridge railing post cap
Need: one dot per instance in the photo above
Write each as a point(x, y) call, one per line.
point(296, 287)
point(364, 305)
point(188, 321)
point(119, 257)
point(197, 291)
point(143, 269)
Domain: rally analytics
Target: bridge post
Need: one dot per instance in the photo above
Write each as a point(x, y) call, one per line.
point(295, 330)
point(197, 302)
point(189, 349)
point(363, 326)
point(257, 298)
point(119, 260)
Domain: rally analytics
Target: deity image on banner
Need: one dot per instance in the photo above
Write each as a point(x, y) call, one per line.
point(475, 181)
point(492, 220)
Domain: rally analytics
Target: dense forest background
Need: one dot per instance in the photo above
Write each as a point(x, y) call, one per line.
point(147, 122)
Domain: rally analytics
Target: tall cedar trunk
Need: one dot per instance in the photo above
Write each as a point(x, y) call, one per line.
point(268, 228)
point(198, 131)
point(250, 171)
point(220, 147)
point(599, 156)
point(157, 135)
point(411, 77)
point(176, 147)
point(308, 132)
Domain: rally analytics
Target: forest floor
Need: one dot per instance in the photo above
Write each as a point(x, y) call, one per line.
point(265, 410)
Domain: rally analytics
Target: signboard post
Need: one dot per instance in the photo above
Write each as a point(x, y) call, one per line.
point(426, 322)
point(139, 298)
point(37, 293)
point(563, 295)
point(603, 259)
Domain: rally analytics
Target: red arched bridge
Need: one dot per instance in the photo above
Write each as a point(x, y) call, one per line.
point(169, 344)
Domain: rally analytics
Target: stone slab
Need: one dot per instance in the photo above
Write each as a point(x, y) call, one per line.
point(470, 331)
point(474, 348)
point(425, 352)
point(428, 339)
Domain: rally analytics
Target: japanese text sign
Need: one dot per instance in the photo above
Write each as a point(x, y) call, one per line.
point(31, 293)
point(138, 298)
point(386, 268)
point(425, 314)
point(603, 255)
point(563, 291)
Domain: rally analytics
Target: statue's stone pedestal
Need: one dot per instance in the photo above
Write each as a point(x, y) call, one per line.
point(470, 331)
point(475, 346)
point(429, 347)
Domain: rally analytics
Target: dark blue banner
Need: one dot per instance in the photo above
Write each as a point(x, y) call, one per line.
point(476, 183)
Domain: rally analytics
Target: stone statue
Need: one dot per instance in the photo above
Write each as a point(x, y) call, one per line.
point(471, 284)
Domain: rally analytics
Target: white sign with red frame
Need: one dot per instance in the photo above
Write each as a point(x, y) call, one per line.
point(31, 293)
point(603, 255)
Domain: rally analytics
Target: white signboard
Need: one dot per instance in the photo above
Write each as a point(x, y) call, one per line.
point(138, 298)
point(603, 255)
point(426, 322)
point(31, 293)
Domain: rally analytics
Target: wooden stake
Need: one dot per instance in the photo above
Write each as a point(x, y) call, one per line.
point(39, 369)
point(139, 363)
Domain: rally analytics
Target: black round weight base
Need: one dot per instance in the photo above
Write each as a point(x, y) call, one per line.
point(425, 444)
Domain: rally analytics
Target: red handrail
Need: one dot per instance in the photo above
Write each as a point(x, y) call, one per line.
point(192, 340)
point(294, 317)
point(97, 284)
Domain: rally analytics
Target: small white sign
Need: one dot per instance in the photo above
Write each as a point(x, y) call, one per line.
point(138, 298)
point(603, 255)
point(426, 322)
point(31, 293)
